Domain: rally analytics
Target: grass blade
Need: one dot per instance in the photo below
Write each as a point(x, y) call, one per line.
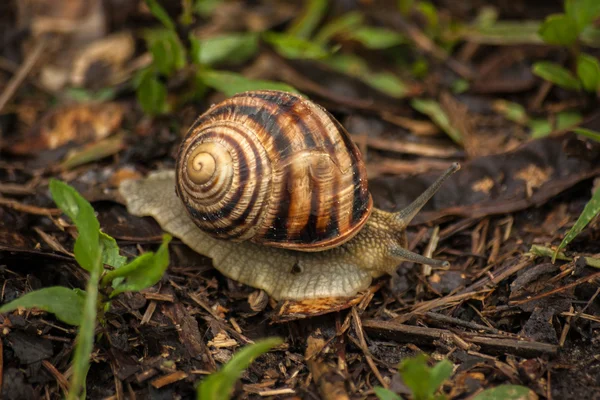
point(592, 208)
point(218, 385)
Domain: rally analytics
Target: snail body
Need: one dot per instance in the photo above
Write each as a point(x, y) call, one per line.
point(316, 233)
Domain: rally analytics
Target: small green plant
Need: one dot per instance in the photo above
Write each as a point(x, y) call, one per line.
point(425, 383)
point(590, 211)
point(93, 250)
point(195, 59)
point(219, 385)
point(565, 30)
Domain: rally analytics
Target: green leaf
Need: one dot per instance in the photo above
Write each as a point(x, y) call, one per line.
point(487, 16)
point(87, 247)
point(141, 273)
point(151, 93)
point(503, 33)
point(588, 71)
point(205, 8)
point(342, 24)
point(110, 251)
point(592, 208)
point(228, 48)
point(405, 6)
point(588, 133)
point(231, 83)
point(563, 120)
point(460, 86)
point(556, 74)
point(433, 109)
point(355, 66)
point(385, 394)
point(63, 302)
point(293, 47)
point(83, 95)
point(218, 386)
point(590, 36)
point(309, 19)
point(539, 127)
point(567, 119)
point(439, 373)
point(430, 13)
point(506, 392)
point(376, 38)
point(93, 152)
point(195, 49)
point(559, 29)
point(583, 12)
point(415, 375)
point(168, 53)
point(84, 343)
point(511, 111)
point(160, 14)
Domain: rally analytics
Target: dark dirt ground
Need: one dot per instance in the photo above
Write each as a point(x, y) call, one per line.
point(498, 313)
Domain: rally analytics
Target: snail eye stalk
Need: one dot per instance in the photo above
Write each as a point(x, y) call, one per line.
point(402, 218)
point(407, 255)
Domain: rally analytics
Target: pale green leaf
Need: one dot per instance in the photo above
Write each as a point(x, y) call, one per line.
point(66, 304)
point(309, 18)
point(588, 71)
point(342, 24)
point(503, 33)
point(385, 394)
point(511, 111)
point(160, 14)
point(357, 67)
point(376, 38)
point(556, 74)
point(559, 29)
point(227, 48)
point(141, 273)
point(433, 109)
point(594, 135)
point(231, 83)
point(93, 152)
point(293, 47)
point(591, 209)
point(507, 392)
point(415, 375)
point(439, 373)
point(110, 251)
point(151, 93)
point(583, 12)
point(205, 8)
point(87, 247)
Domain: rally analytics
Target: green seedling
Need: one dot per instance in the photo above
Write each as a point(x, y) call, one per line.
point(425, 383)
point(218, 386)
point(566, 30)
point(94, 250)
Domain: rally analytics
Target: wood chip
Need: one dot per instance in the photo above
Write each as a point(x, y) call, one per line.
point(168, 379)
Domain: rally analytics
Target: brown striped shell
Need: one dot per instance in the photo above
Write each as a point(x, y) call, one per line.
point(273, 168)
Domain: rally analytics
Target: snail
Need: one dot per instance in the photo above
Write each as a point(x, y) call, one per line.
point(270, 186)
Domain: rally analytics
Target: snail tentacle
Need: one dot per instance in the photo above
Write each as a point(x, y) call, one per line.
point(406, 255)
point(402, 218)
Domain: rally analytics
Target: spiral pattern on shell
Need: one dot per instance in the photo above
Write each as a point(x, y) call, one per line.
point(273, 168)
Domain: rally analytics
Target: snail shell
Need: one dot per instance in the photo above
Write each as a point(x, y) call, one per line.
point(273, 168)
